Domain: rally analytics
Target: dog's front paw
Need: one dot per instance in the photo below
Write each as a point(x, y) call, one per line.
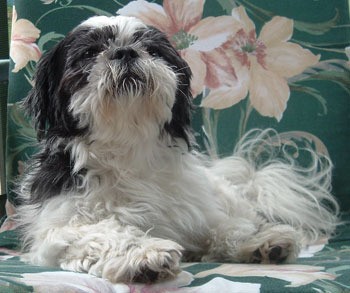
point(158, 265)
point(155, 260)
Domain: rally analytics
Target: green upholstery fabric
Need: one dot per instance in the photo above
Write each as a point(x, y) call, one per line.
point(298, 47)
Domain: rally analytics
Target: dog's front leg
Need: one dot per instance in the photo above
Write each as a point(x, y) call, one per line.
point(110, 250)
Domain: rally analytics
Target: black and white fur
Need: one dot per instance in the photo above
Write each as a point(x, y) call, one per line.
point(117, 189)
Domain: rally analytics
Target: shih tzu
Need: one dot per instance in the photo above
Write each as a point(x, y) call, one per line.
point(119, 191)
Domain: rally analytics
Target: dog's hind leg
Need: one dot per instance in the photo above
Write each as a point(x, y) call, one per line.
point(244, 241)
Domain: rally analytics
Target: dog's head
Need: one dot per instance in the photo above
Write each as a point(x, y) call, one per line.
point(111, 74)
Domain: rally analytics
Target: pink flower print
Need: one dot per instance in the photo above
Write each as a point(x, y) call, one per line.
point(23, 48)
point(262, 65)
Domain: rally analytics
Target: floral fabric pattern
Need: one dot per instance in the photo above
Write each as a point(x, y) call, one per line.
point(261, 64)
point(23, 47)
point(255, 64)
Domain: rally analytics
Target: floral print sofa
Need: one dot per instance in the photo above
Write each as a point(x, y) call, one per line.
point(280, 64)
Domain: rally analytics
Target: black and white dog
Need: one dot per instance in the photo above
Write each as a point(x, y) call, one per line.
point(117, 189)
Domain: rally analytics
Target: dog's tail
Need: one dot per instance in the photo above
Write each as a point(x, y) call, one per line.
point(268, 172)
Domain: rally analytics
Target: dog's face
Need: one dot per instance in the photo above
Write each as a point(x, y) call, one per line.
point(110, 75)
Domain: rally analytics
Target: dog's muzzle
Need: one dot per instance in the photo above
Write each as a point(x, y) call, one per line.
point(130, 74)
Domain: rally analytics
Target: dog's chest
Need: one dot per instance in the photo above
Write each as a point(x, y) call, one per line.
point(175, 203)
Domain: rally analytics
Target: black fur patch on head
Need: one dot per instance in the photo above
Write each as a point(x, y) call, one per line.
point(48, 101)
point(59, 74)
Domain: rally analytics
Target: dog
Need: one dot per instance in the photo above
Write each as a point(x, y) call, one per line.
point(118, 188)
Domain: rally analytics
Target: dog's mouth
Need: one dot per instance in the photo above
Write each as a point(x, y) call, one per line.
point(130, 80)
point(126, 79)
point(131, 83)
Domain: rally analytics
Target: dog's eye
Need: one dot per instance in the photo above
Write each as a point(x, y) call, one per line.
point(90, 53)
point(154, 52)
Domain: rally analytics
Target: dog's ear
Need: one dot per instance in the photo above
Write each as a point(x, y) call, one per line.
point(42, 103)
point(180, 124)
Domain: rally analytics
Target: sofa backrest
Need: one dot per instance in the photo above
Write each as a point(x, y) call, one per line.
point(263, 64)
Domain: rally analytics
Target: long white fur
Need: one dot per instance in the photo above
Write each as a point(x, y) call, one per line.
point(147, 199)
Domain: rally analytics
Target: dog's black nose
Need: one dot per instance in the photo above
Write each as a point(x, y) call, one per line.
point(124, 54)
